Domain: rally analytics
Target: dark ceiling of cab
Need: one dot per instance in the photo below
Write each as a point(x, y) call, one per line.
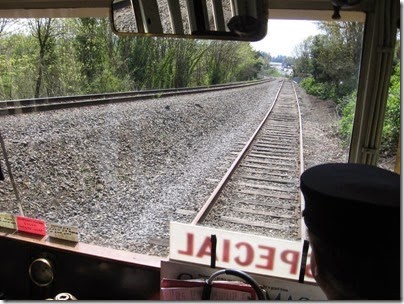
point(278, 9)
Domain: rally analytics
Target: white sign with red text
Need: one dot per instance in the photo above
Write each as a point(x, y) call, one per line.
point(250, 253)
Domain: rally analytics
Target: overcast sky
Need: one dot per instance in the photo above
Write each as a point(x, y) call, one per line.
point(284, 35)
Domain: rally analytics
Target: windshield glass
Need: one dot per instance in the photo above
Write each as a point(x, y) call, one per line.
point(121, 167)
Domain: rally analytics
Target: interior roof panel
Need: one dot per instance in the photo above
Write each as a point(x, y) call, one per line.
point(100, 8)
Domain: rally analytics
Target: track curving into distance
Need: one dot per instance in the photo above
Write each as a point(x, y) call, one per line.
point(260, 192)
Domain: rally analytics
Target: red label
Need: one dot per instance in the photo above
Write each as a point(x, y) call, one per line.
point(31, 225)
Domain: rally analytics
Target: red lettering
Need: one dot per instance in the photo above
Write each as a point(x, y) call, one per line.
point(206, 248)
point(190, 245)
point(269, 257)
point(226, 251)
point(249, 254)
point(291, 257)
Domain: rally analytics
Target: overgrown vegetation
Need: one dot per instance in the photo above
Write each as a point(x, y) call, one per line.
point(391, 127)
point(328, 65)
point(60, 57)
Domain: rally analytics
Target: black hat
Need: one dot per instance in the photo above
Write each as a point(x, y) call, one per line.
point(352, 204)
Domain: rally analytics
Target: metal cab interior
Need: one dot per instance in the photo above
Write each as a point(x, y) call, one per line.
point(97, 273)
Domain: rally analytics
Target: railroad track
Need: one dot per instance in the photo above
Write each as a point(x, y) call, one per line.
point(21, 106)
point(258, 157)
point(260, 191)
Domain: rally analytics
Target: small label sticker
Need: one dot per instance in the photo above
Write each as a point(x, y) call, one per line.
point(69, 233)
point(7, 221)
point(31, 225)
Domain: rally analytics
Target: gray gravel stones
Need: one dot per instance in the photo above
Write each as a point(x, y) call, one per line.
point(120, 171)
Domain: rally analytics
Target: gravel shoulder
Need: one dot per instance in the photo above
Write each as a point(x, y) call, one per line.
point(320, 128)
point(321, 143)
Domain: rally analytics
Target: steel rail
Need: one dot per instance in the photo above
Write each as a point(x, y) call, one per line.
point(12, 107)
point(303, 228)
point(219, 188)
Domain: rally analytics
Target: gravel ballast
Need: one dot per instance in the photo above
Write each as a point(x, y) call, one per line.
point(120, 171)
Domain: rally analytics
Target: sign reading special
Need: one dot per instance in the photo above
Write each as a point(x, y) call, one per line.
point(250, 253)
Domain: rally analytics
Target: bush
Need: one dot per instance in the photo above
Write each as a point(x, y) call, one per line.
point(391, 127)
point(321, 90)
point(343, 102)
point(348, 111)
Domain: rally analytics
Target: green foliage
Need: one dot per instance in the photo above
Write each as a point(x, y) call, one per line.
point(329, 66)
point(17, 66)
point(247, 62)
point(391, 127)
point(346, 122)
point(314, 88)
point(44, 32)
point(331, 60)
point(59, 57)
point(93, 48)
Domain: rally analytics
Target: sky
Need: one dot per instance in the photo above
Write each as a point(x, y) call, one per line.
point(284, 35)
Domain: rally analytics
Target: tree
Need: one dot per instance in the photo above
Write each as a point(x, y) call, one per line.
point(42, 29)
point(6, 24)
point(303, 57)
point(18, 65)
point(88, 50)
point(78, 56)
point(96, 49)
point(248, 63)
point(332, 59)
point(137, 54)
